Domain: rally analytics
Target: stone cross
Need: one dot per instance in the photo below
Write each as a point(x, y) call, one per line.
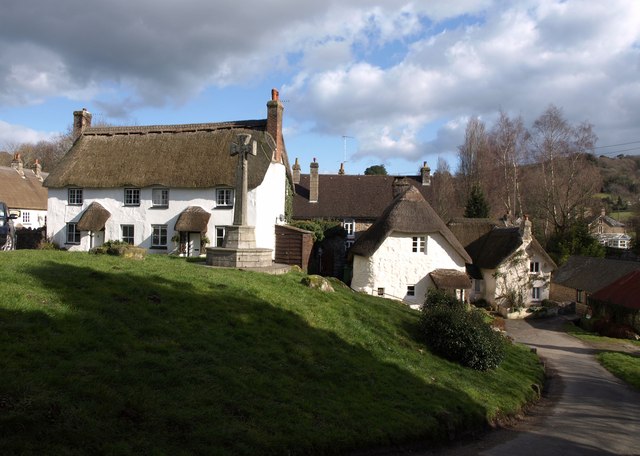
point(242, 147)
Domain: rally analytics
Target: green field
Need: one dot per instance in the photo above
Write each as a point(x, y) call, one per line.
point(105, 355)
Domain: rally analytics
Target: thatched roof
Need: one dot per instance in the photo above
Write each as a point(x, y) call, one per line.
point(193, 219)
point(409, 213)
point(176, 156)
point(450, 279)
point(22, 193)
point(623, 292)
point(93, 218)
point(350, 196)
point(489, 244)
point(592, 274)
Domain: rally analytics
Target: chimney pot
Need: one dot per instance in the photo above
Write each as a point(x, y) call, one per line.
point(341, 171)
point(425, 172)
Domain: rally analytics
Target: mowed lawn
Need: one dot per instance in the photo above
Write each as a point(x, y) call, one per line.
point(105, 355)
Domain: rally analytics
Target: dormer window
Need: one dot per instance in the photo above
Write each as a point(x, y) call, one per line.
point(224, 197)
point(534, 267)
point(74, 197)
point(132, 197)
point(160, 197)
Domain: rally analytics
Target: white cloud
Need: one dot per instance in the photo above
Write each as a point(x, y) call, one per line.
point(12, 135)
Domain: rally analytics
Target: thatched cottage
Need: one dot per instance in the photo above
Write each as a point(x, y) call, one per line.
point(408, 250)
point(166, 187)
point(21, 189)
point(510, 268)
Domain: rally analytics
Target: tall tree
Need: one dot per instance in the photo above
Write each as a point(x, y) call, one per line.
point(477, 206)
point(443, 191)
point(472, 155)
point(507, 145)
point(566, 178)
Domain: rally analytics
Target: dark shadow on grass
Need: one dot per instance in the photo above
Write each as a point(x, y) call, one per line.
point(148, 364)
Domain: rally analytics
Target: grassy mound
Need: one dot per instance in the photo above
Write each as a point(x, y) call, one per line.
point(106, 355)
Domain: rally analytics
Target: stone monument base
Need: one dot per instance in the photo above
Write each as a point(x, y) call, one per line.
point(226, 257)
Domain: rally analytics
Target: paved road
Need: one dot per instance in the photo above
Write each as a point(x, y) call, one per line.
point(587, 411)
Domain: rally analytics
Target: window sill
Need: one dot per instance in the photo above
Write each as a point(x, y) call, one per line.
point(160, 207)
point(223, 207)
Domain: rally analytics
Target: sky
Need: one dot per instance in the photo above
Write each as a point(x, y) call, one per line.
point(388, 82)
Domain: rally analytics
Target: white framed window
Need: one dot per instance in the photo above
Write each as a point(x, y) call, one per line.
point(535, 293)
point(534, 267)
point(159, 236)
point(380, 291)
point(127, 234)
point(224, 197)
point(220, 233)
point(132, 197)
point(579, 295)
point(160, 197)
point(74, 196)
point(418, 244)
point(73, 234)
point(349, 226)
point(411, 290)
point(26, 217)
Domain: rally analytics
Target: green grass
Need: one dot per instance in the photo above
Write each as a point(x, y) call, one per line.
point(623, 365)
point(104, 355)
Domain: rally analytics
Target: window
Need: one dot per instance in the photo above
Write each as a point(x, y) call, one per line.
point(73, 234)
point(418, 243)
point(534, 267)
point(535, 293)
point(159, 236)
point(127, 234)
point(477, 285)
point(160, 197)
point(132, 197)
point(348, 244)
point(349, 226)
point(74, 196)
point(380, 291)
point(220, 232)
point(579, 295)
point(224, 197)
point(26, 217)
point(411, 290)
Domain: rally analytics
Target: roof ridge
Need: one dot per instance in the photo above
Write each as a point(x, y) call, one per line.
point(177, 128)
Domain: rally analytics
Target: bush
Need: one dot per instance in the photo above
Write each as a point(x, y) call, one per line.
point(440, 298)
point(118, 248)
point(462, 336)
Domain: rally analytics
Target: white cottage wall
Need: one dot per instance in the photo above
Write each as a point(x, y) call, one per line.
point(394, 266)
point(268, 205)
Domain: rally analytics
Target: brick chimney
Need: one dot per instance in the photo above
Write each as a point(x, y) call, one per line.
point(17, 164)
point(425, 172)
point(296, 172)
point(37, 170)
point(313, 182)
point(274, 123)
point(81, 120)
point(341, 170)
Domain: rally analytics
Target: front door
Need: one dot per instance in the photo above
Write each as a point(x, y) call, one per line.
point(193, 247)
point(98, 238)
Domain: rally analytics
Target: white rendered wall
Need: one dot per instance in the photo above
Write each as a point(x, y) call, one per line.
point(37, 219)
point(267, 205)
point(394, 266)
point(145, 215)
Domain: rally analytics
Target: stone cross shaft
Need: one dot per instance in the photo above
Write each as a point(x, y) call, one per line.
point(243, 146)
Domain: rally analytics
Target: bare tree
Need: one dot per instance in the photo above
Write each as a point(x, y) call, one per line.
point(507, 144)
point(566, 179)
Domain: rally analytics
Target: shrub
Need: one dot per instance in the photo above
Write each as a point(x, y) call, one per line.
point(118, 248)
point(437, 298)
point(462, 336)
point(482, 304)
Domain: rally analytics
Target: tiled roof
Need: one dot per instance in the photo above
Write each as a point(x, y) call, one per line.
point(592, 274)
point(623, 292)
point(350, 196)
